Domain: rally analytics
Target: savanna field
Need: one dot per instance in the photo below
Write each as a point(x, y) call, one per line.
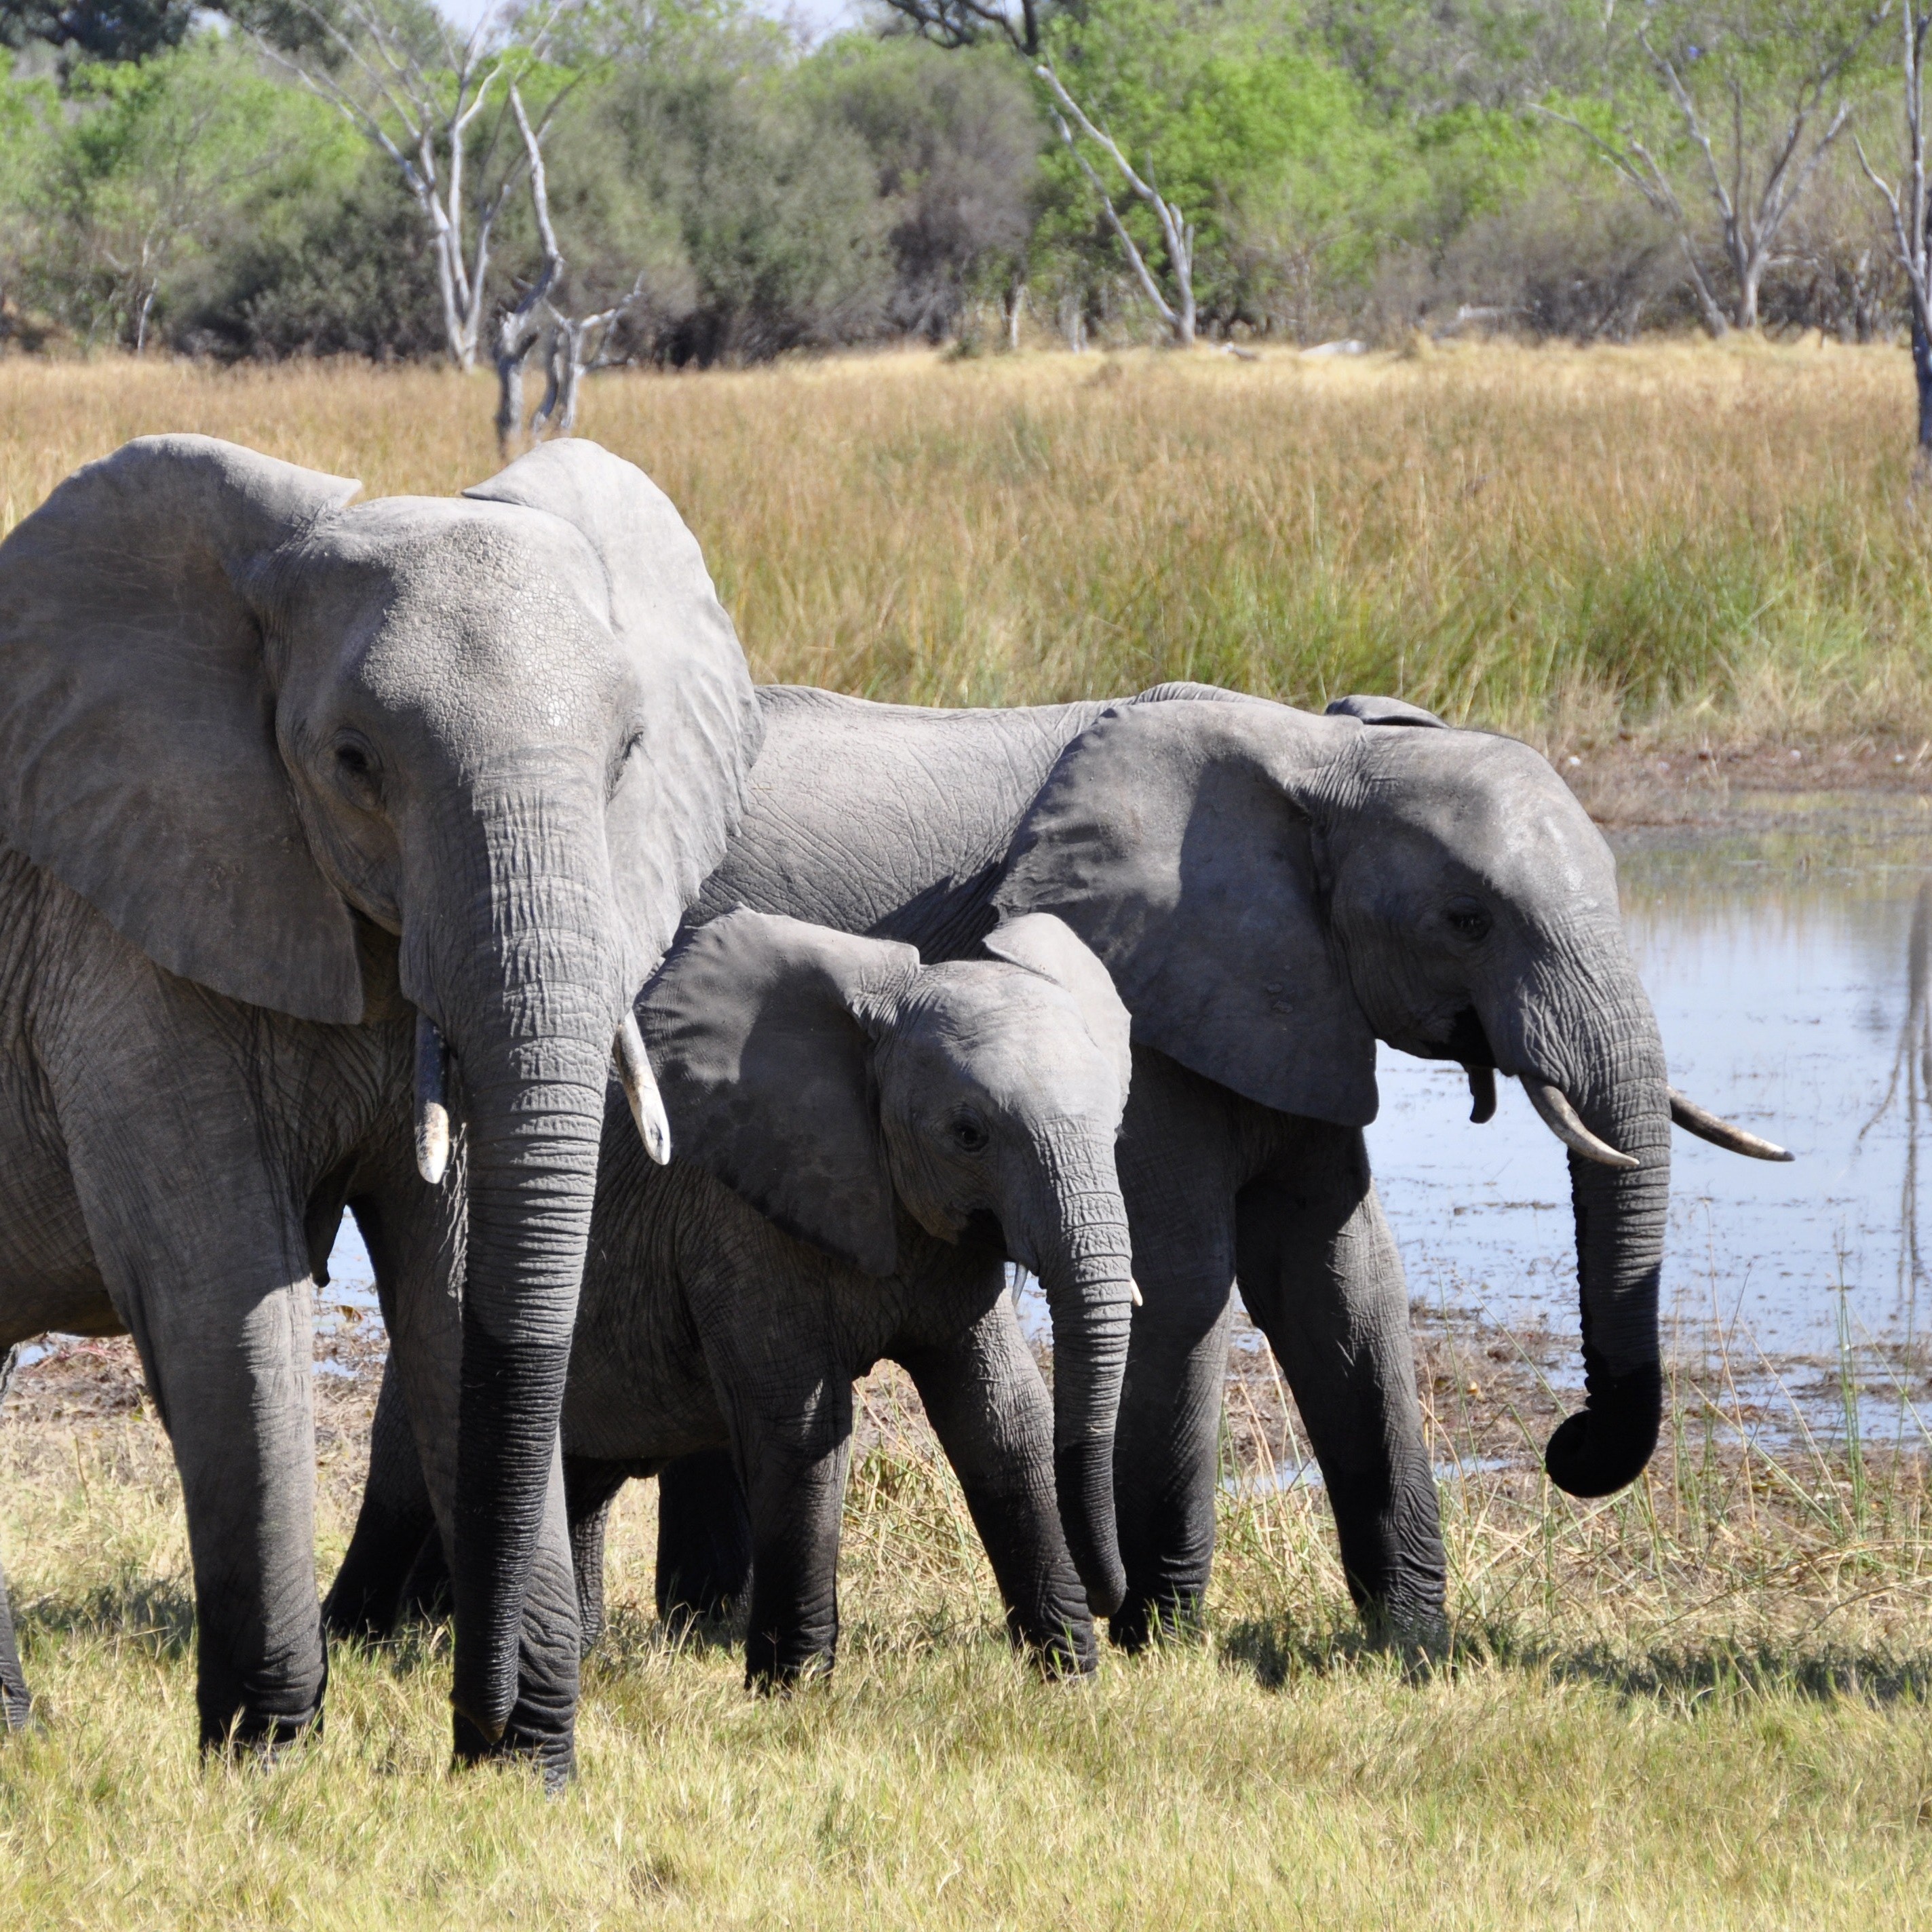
point(1702, 1702)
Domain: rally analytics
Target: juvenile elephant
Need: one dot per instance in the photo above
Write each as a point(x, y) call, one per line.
point(1272, 892)
point(905, 1128)
point(304, 806)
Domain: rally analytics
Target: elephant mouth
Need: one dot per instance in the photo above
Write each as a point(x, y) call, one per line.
point(981, 1230)
point(1466, 1041)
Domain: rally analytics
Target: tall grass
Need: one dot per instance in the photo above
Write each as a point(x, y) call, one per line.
point(1561, 542)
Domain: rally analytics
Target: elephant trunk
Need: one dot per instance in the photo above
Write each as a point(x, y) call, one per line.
point(529, 983)
point(1086, 1270)
point(1609, 1068)
point(532, 1144)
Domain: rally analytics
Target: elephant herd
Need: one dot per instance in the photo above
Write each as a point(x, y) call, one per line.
point(681, 1049)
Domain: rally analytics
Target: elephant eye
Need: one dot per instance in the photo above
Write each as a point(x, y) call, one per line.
point(969, 1133)
point(1468, 920)
point(356, 770)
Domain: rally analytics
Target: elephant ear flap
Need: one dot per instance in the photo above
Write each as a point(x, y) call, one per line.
point(1180, 842)
point(1050, 947)
point(138, 757)
point(1370, 710)
point(757, 1031)
point(682, 786)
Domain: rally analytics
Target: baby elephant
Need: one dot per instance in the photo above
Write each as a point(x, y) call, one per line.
point(859, 1143)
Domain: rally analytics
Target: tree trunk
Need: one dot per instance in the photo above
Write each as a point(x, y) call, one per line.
point(1922, 370)
point(1748, 284)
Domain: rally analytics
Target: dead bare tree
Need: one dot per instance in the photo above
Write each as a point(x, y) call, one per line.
point(1753, 190)
point(421, 106)
point(1911, 206)
point(1176, 232)
point(573, 345)
point(578, 346)
point(518, 329)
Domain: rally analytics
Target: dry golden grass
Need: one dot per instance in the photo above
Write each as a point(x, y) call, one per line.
point(1712, 540)
point(1701, 1705)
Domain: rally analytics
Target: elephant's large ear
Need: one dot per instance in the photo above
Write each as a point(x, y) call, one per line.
point(681, 789)
point(138, 761)
point(1179, 841)
point(1050, 947)
point(756, 1032)
point(1371, 709)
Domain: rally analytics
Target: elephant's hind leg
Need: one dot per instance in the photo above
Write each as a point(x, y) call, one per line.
point(16, 1704)
point(704, 1539)
point(396, 1521)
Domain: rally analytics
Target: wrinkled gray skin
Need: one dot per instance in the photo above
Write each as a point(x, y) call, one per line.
point(909, 1126)
point(277, 775)
point(1272, 892)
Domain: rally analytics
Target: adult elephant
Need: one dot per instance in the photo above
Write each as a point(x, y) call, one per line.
point(302, 804)
point(1272, 892)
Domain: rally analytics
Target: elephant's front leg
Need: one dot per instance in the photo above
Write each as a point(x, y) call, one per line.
point(229, 1360)
point(1178, 1156)
point(1321, 1275)
point(987, 1404)
point(792, 1456)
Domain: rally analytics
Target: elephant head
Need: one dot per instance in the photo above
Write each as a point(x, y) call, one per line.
point(832, 1080)
point(1274, 891)
point(473, 754)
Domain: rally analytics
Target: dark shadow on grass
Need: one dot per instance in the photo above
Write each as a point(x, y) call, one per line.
point(158, 1615)
point(1280, 1654)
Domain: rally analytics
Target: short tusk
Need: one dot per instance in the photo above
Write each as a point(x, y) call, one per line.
point(1134, 1289)
point(432, 1103)
point(1482, 1094)
point(640, 1089)
point(1560, 1118)
point(1708, 1127)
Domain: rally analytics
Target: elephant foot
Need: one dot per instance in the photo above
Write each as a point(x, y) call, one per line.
point(1066, 1652)
point(1417, 1633)
point(243, 1738)
point(16, 1704)
point(553, 1757)
point(1171, 1617)
point(767, 1676)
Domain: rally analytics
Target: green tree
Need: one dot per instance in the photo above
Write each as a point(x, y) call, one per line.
point(163, 158)
point(1731, 105)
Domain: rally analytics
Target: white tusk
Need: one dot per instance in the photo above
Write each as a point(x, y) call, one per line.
point(640, 1089)
point(1560, 1118)
point(1134, 1289)
point(1708, 1127)
point(432, 1105)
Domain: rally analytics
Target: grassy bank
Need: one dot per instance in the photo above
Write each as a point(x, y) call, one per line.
point(1685, 540)
point(1702, 1704)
